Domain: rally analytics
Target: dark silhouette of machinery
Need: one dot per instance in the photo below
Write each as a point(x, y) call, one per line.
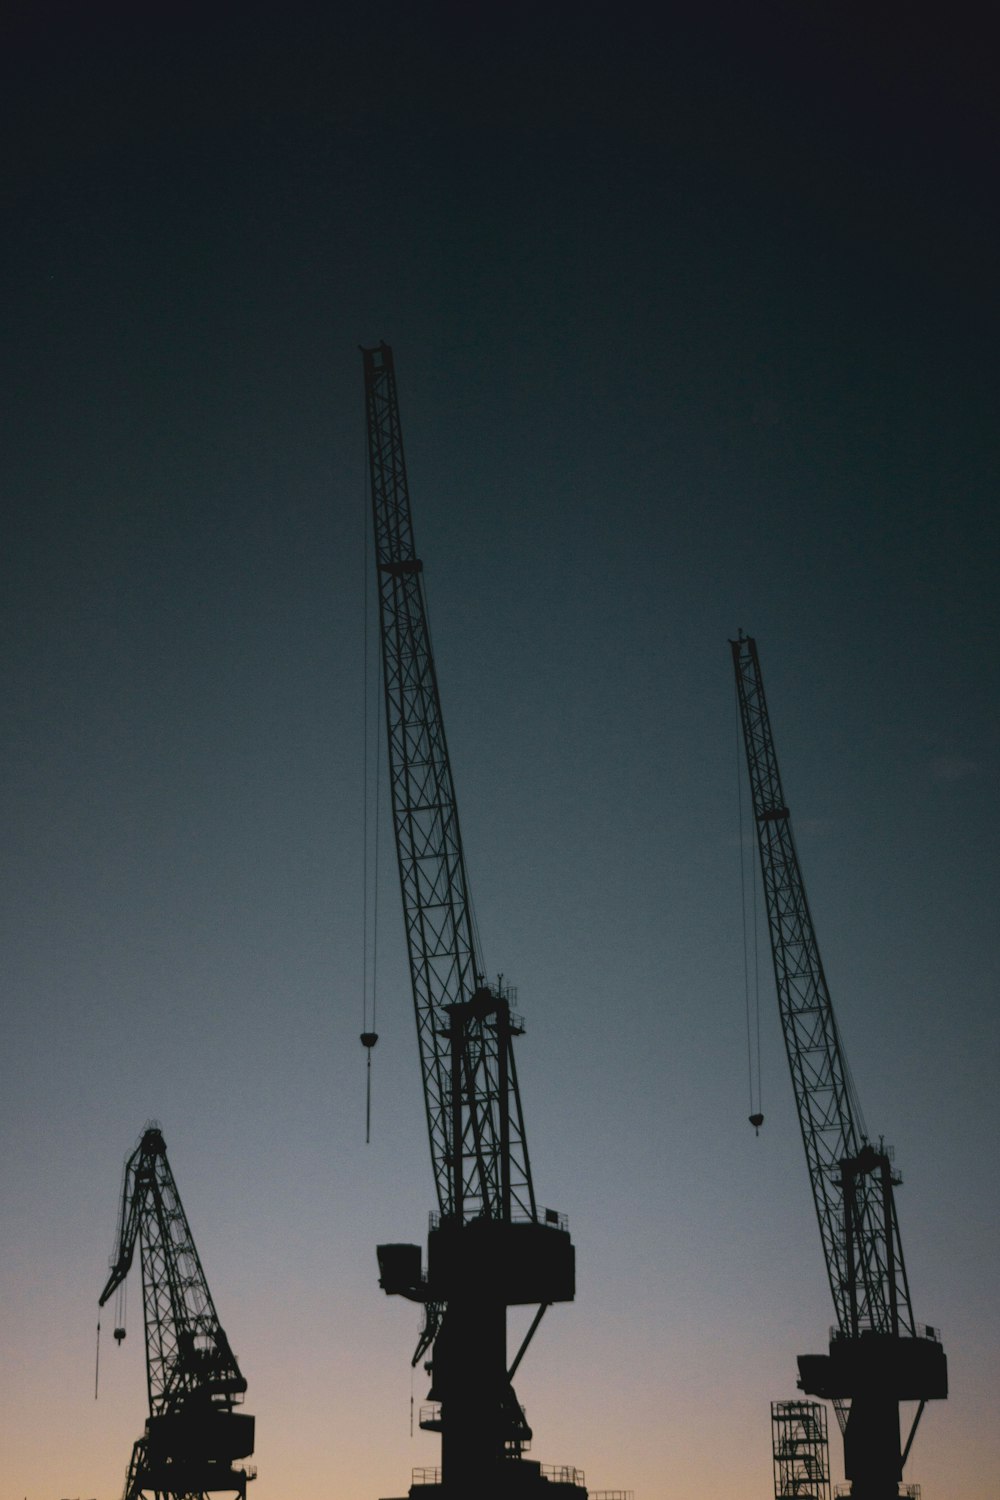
point(193, 1436)
point(878, 1355)
point(490, 1245)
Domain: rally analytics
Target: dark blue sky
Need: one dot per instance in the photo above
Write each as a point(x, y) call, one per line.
point(695, 321)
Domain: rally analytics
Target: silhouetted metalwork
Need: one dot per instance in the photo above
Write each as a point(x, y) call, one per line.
point(490, 1245)
point(193, 1435)
point(801, 1450)
point(878, 1355)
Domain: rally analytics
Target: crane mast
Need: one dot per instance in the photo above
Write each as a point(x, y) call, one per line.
point(490, 1245)
point(878, 1354)
point(193, 1435)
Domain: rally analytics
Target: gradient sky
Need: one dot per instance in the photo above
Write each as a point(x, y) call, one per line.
point(695, 323)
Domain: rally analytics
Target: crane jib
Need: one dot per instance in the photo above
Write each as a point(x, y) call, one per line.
point(869, 1288)
point(478, 1147)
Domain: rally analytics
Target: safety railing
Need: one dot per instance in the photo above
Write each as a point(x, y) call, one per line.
point(920, 1331)
point(842, 1491)
point(550, 1217)
point(558, 1474)
point(564, 1475)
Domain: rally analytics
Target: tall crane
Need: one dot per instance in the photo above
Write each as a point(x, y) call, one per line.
point(193, 1436)
point(878, 1355)
point(490, 1245)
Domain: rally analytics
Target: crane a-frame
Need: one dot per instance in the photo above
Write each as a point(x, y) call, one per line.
point(193, 1436)
point(490, 1245)
point(878, 1355)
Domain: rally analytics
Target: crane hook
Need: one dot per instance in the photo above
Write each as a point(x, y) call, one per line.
point(368, 1040)
point(756, 1121)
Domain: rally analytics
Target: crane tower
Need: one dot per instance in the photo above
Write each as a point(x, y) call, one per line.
point(193, 1436)
point(490, 1245)
point(878, 1355)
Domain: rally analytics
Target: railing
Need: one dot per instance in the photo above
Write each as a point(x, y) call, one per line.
point(429, 1420)
point(920, 1331)
point(503, 991)
point(550, 1217)
point(565, 1475)
point(842, 1491)
point(611, 1495)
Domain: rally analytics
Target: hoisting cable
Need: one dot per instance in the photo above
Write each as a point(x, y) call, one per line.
point(755, 885)
point(369, 1036)
point(97, 1361)
point(752, 1015)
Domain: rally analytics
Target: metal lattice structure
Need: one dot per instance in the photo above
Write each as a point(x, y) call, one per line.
point(878, 1356)
point(801, 1450)
point(193, 1380)
point(489, 1175)
point(490, 1245)
point(863, 1255)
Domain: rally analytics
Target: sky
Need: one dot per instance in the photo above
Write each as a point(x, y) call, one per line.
point(695, 327)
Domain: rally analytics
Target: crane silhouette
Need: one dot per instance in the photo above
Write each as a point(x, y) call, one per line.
point(193, 1436)
point(490, 1245)
point(878, 1355)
